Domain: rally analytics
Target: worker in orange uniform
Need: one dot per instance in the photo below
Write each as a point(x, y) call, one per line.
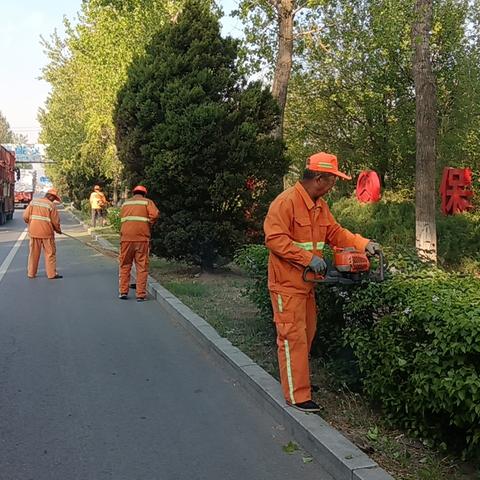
point(297, 227)
point(98, 202)
point(137, 216)
point(43, 221)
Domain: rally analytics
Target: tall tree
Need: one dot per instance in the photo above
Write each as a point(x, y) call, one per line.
point(6, 134)
point(426, 131)
point(86, 70)
point(191, 128)
point(271, 33)
point(354, 95)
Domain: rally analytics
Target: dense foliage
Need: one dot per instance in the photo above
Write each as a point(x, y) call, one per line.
point(352, 92)
point(416, 341)
point(86, 70)
point(191, 128)
point(411, 342)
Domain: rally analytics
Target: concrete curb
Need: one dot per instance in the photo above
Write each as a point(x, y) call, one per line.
point(337, 455)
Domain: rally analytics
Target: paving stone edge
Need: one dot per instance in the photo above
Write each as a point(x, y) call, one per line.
point(334, 452)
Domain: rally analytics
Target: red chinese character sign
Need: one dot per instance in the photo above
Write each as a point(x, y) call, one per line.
point(368, 187)
point(456, 190)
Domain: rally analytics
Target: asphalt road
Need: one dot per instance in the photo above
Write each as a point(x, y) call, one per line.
point(93, 388)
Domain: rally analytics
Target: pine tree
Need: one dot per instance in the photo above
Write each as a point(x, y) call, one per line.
point(200, 138)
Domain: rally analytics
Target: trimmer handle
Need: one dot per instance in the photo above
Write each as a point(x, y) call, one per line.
point(381, 265)
point(315, 279)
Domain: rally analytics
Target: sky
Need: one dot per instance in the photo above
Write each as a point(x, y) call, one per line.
point(22, 57)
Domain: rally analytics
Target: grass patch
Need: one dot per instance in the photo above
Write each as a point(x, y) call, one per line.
point(188, 289)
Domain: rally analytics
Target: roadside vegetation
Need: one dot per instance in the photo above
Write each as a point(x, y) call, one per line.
point(397, 344)
point(149, 91)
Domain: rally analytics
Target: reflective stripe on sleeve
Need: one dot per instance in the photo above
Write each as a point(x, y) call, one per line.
point(289, 371)
point(280, 303)
point(309, 245)
point(136, 202)
point(40, 204)
point(304, 245)
point(40, 217)
point(134, 219)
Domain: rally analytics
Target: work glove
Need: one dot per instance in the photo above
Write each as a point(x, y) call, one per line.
point(318, 265)
point(373, 247)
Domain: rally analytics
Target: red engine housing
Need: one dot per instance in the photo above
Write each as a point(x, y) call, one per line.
point(349, 260)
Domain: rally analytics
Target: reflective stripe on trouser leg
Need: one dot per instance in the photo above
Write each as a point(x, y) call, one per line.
point(292, 333)
point(289, 371)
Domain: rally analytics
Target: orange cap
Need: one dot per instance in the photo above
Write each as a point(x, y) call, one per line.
point(140, 188)
point(325, 162)
point(96, 187)
point(54, 193)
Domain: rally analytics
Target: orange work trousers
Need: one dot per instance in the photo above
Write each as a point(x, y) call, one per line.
point(49, 250)
point(137, 252)
point(295, 319)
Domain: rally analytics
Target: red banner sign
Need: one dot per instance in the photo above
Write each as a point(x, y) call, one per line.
point(456, 190)
point(368, 187)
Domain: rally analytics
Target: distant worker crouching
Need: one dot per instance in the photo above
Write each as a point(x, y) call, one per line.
point(137, 216)
point(43, 221)
point(297, 227)
point(98, 203)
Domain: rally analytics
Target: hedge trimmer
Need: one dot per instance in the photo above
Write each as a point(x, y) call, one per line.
point(349, 267)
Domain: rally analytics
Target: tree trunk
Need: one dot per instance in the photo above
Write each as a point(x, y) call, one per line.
point(115, 192)
point(283, 65)
point(426, 131)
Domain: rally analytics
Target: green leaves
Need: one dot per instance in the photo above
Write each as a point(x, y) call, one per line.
point(191, 127)
point(86, 71)
point(415, 337)
point(290, 448)
point(422, 367)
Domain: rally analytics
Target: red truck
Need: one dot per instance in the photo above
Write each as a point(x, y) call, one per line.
point(7, 184)
point(25, 187)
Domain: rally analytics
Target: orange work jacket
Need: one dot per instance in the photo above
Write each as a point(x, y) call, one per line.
point(42, 218)
point(296, 228)
point(137, 215)
point(97, 200)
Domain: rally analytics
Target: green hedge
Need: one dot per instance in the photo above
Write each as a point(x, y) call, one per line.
point(392, 222)
point(113, 216)
point(415, 339)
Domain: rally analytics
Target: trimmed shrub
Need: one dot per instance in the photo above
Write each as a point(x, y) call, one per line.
point(200, 138)
point(415, 339)
point(113, 216)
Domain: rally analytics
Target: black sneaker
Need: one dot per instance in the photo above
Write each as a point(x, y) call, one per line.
point(123, 296)
point(140, 299)
point(56, 276)
point(309, 406)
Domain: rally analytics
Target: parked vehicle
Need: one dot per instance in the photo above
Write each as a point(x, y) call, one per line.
point(25, 187)
point(7, 184)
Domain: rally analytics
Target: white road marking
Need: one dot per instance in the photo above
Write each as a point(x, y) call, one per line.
point(8, 260)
